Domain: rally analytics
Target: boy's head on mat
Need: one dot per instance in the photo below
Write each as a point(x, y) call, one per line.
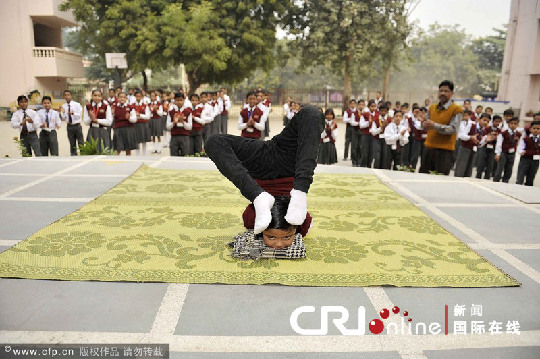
point(280, 233)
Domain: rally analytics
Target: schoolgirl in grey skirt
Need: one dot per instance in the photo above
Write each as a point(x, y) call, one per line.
point(156, 122)
point(124, 126)
point(142, 128)
point(98, 115)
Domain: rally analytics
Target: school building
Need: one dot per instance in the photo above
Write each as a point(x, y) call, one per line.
point(520, 78)
point(32, 54)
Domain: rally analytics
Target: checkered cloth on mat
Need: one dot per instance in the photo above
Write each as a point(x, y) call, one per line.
point(248, 246)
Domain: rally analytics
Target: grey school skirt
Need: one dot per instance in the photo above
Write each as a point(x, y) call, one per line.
point(99, 134)
point(142, 132)
point(156, 127)
point(124, 139)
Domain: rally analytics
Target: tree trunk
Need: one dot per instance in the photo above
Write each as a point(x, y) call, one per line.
point(386, 82)
point(145, 80)
point(347, 88)
point(193, 81)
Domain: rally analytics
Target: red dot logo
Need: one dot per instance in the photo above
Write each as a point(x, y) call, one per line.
point(376, 326)
point(395, 310)
point(405, 313)
point(384, 313)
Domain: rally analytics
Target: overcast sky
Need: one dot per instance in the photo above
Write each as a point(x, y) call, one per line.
point(477, 17)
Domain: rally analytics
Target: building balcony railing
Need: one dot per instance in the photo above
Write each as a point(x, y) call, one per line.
point(56, 62)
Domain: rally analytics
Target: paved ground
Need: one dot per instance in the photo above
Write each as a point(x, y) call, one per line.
point(500, 221)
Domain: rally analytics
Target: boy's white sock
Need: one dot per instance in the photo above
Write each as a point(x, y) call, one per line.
point(263, 203)
point(143, 148)
point(297, 211)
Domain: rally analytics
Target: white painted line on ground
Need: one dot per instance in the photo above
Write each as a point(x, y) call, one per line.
point(516, 263)
point(10, 163)
point(412, 354)
point(44, 199)
point(254, 344)
point(160, 161)
point(507, 197)
point(474, 205)
point(505, 245)
point(379, 299)
point(9, 242)
point(92, 175)
point(169, 311)
point(48, 177)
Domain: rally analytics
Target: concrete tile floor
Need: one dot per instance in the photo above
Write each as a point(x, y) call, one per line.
point(211, 321)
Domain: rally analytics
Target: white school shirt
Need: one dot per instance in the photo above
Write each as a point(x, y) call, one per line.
point(207, 114)
point(498, 145)
point(143, 116)
point(258, 125)
point(266, 112)
point(188, 125)
point(54, 119)
point(334, 132)
point(290, 114)
point(131, 99)
point(187, 103)
point(199, 119)
point(351, 120)
point(107, 121)
point(160, 108)
point(17, 119)
point(74, 107)
point(521, 145)
point(392, 134)
point(286, 108)
point(227, 102)
point(374, 130)
point(363, 122)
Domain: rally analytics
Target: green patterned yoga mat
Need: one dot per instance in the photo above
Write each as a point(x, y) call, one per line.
point(162, 225)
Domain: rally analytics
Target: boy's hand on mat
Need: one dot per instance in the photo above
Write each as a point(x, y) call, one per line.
point(297, 211)
point(263, 203)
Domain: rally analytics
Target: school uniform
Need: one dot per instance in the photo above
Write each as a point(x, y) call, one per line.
point(124, 138)
point(225, 113)
point(48, 138)
point(258, 116)
point(207, 115)
point(406, 151)
point(112, 101)
point(395, 142)
point(215, 124)
point(142, 128)
point(506, 148)
point(28, 133)
point(486, 154)
point(528, 162)
point(98, 130)
point(417, 147)
point(268, 104)
point(179, 132)
point(327, 149)
point(156, 124)
point(353, 118)
point(166, 133)
point(350, 131)
point(379, 145)
point(131, 99)
point(72, 114)
point(195, 143)
point(366, 143)
point(468, 149)
point(266, 112)
point(286, 110)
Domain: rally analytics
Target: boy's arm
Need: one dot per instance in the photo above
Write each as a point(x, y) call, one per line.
point(86, 118)
point(463, 133)
point(169, 123)
point(241, 125)
point(498, 146)
point(363, 122)
point(261, 124)
point(521, 145)
point(188, 125)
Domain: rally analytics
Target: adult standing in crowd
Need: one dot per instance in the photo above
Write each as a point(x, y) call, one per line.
point(442, 122)
point(71, 112)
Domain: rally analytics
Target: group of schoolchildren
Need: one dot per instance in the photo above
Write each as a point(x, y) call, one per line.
point(125, 121)
point(387, 138)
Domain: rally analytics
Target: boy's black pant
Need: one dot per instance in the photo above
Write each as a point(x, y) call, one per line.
point(505, 163)
point(48, 141)
point(527, 169)
point(365, 148)
point(348, 138)
point(393, 158)
point(356, 150)
point(436, 159)
point(464, 162)
point(31, 142)
point(75, 137)
point(485, 162)
point(179, 143)
point(416, 152)
point(292, 153)
point(407, 152)
point(195, 142)
point(379, 151)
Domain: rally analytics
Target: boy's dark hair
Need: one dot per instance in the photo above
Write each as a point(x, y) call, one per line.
point(405, 104)
point(467, 112)
point(251, 93)
point(278, 212)
point(21, 97)
point(486, 115)
point(536, 114)
point(415, 106)
point(111, 89)
point(398, 103)
point(69, 92)
point(179, 95)
point(194, 95)
point(398, 111)
point(488, 108)
point(383, 107)
point(497, 117)
point(513, 119)
point(467, 100)
point(352, 100)
point(329, 111)
point(370, 102)
point(46, 98)
point(448, 83)
point(508, 112)
point(535, 123)
point(119, 87)
point(361, 100)
point(479, 106)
